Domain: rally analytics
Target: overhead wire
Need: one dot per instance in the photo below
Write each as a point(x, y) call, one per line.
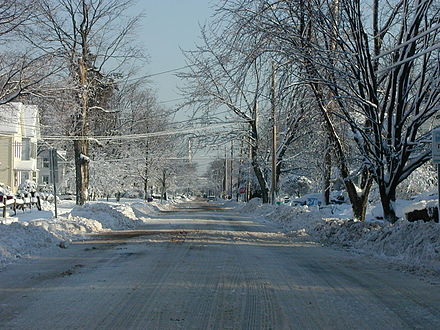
point(190, 130)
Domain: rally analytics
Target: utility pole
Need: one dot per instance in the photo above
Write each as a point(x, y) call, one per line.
point(53, 171)
point(240, 165)
point(225, 181)
point(274, 136)
point(249, 183)
point(146, 172)
point(232, 159)
point(190, 151)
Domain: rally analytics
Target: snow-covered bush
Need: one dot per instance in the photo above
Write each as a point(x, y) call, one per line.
point(421, 180)
point(296, 185)
point(27, 186)
point(4, 190)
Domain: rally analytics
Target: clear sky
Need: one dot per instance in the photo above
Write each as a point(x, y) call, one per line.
point(168, 26)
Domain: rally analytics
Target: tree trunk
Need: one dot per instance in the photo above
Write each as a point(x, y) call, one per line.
point(260, 177)
point(358, 201)
point(388, 201)
point(257, 169)
point(164, 186)
point(327, 171)
point(82, 170)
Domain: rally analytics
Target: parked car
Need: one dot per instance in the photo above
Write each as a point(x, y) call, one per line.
point(68, 196)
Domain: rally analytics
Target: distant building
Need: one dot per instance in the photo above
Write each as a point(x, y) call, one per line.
point(43, 164)
point(19, 132)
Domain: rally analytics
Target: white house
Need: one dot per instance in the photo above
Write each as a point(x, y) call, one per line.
point(19, 132)
point(44, 167)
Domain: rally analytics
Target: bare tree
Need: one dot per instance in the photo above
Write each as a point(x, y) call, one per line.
point(386, 86)
point(21, 69)
point(93, 39)
point(232, 72)
point(379, 75)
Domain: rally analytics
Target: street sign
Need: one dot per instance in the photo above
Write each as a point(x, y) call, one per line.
point(436, 146)
point(242, 190)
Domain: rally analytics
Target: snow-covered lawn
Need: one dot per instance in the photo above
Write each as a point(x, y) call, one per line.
point(32, 231)
point(413, 244)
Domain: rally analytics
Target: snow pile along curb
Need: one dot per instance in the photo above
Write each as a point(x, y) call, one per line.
point(414, 243)
point(297, 220)
point(22, 239)
point(110, 215)
point(69, 228)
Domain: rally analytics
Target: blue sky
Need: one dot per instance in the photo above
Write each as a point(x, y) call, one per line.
point(168, 25)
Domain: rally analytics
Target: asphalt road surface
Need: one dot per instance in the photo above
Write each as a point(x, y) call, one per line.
point(203, 266)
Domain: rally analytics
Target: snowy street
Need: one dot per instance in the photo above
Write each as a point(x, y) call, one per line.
point(206, 266)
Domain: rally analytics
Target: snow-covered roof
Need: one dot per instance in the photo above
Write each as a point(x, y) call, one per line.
point(14, 114)
point(10, 117)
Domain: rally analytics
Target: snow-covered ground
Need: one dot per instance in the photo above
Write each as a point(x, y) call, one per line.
point(33, 232)
point(412, 244)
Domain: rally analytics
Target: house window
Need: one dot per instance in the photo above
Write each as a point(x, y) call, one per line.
point(46, 162)
point(24, 176)
point(26, 149)
point(46, 179)
point(33, 150)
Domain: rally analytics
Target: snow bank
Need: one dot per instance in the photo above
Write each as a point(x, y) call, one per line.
point(69, 228)
point(22, 239)
point(414, 244)
point(33, 232)
point(295, 219)
point(109, 215)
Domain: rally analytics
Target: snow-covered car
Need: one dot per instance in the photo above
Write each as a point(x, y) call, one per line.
point(68, 196)
point(315, 199)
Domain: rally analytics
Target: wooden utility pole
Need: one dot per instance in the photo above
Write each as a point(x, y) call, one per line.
point(54, 174)
point(249, 182)
point(274, 137)
point(240, 165)
point(225, 181)
point(231, 169)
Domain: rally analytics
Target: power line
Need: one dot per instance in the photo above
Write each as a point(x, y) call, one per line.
point(159, 73)
point(185, 131)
